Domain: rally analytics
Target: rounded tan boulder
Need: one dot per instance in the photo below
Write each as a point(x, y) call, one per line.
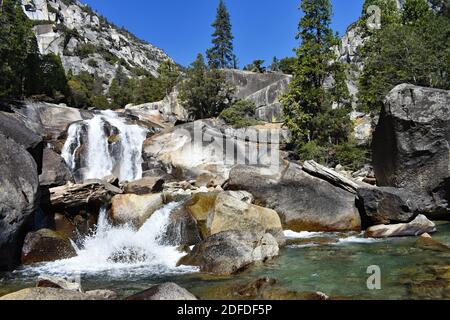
point(134, 209)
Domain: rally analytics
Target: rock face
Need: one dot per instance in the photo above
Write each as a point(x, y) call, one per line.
point(46, 245)
point(304, 202)
point(387, 205)
point(263, 89)
point(13, 127)
point(134, 209)
point(54, 294)
point(19, 197)
point(54, 170)
point(166, 291)
point(50, 120)
point(419, 226)
point(411, 142)
point(193, 149)
point(72, 25)
point(229, 252)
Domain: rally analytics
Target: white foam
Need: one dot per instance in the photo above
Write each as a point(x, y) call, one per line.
point(359, 239)
point(302, 235)
point(122, 249)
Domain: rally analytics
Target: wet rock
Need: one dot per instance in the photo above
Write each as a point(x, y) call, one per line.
point(145, 186)
point(165, 291)
point(426, 242)
point(304, 202)
point(46, 245)
point(19, 199)
point(45, 281)
point(128, 255)
point(230, 252)
point(411, 141)
point(254, 289)
point(75, 227)
point(54, 170)
point(134, 209)
point(283, 294)
point(182, 229)
point(54, 294)
point(418, 226)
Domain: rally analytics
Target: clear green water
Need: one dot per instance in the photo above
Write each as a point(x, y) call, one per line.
point(338, 270)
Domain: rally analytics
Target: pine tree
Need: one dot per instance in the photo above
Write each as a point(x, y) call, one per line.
point(17, 48)
point(414, 11)
point(205, 93)
point(221, 55)
point(275, 66)
point(256, 66)
point(308, 104)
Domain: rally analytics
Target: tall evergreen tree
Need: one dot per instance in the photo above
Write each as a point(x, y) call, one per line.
point(205, 93)
point(308, 104)
point(221, 55)
point(412, 49)
point(17, 49)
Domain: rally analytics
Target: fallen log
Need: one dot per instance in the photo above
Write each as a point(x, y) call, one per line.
point(77, 195)
point(337, 179)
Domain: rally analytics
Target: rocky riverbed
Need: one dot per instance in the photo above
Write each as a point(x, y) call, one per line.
point(122, 203)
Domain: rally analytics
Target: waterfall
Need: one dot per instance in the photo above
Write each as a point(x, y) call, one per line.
point(104, 145)
point(123, 249)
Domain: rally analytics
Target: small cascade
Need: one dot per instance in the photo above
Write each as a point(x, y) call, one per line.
point(104, 145)
point(119, 249)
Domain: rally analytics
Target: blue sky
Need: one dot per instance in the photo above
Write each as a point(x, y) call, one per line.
point(262, 28)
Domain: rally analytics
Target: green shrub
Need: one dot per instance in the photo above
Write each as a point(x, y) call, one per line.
point(240, 114)
point(92, 63)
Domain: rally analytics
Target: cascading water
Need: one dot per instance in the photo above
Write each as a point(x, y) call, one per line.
point(123, 249)
point(104, 145)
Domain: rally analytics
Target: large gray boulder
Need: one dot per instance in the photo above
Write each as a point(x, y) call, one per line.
point(54, 170)
point(46, 245)
point(387, 205)
point(14, 126)
point(19, 198)
point(230, 252)
point(411, 141)
point(304, 202)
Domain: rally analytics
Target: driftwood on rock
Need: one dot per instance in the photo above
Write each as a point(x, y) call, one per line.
point(315, 169)
point(76, 195)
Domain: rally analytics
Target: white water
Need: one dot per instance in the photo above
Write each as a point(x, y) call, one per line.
point(302, 235)
point(73, 139)
point(99, 158)
point(122, 249)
